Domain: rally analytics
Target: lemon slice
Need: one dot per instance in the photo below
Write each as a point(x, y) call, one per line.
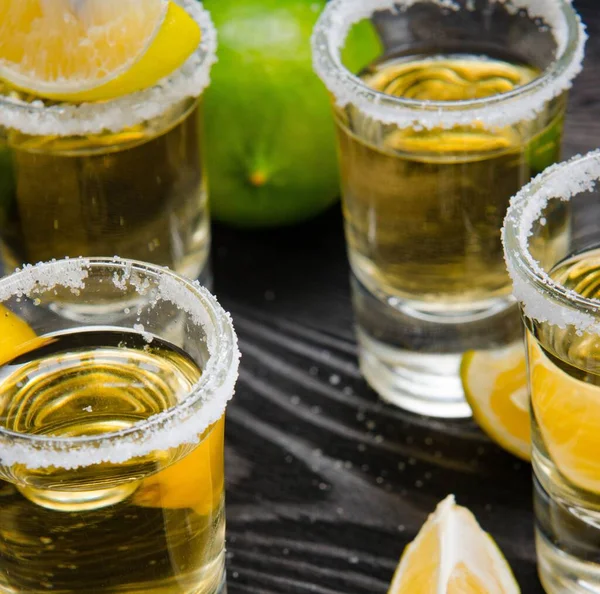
point(567, 412)
point(495, 385)
point(14, 333)
point(92, 50)
point(196, 482)
point(453, 555)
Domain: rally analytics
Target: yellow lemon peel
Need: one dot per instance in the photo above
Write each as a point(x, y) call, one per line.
point(15, 334)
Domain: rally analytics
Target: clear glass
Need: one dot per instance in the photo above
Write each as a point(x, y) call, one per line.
point(430, 154)
point(555, 269)
point(124, 177)
point(111, 430)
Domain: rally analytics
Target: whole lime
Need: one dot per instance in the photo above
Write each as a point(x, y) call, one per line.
point(270, 141)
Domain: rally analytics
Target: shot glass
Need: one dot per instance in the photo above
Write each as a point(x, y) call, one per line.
point(123, 176)
point(552, 246)
point(111, 431)
point(464, 105)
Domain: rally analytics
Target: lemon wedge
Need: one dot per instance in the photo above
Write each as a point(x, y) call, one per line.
point(92, 50)
point(453, 555)
point(195, 482)
point(567, 412)
point(495, 385)
point(14, 333)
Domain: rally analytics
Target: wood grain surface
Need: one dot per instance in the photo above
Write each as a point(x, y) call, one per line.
point(326, 484)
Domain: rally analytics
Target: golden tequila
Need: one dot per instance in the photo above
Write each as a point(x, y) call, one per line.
point(424, 207)
point(139, 192)
point(151, 524)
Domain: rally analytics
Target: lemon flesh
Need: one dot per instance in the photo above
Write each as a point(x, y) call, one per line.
point(92, 50)
point(567, 412)
point(453, 555)
point(495, 385)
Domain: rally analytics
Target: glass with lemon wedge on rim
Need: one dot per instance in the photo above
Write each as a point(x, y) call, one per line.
point(559, 292)
point(111, 432)
point(100, 130)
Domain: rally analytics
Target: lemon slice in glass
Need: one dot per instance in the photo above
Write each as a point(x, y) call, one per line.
point(495, 385)
point(567, 411)
point(92, 50)
point(194, 482)
point(453, 555)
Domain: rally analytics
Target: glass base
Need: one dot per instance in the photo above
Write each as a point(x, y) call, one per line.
point(561, 573)
point(567, 540)
point(424, 384)
point(411, 357)
point(78, 501)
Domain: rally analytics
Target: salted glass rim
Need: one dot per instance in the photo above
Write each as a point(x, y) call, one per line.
point(543, 298)
point(64, 119)
point(180, 424)
point(520, 104)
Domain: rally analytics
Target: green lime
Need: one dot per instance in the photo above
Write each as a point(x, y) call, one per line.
point(544, 149)
point(269, 129)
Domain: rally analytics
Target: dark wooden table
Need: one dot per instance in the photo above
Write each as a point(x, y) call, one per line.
point(326, 484)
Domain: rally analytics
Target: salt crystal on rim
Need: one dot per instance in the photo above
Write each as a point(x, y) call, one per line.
point(65, 119)
point(32, 279)
point(181, 424)
point(524, 103)
point(543, 298)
